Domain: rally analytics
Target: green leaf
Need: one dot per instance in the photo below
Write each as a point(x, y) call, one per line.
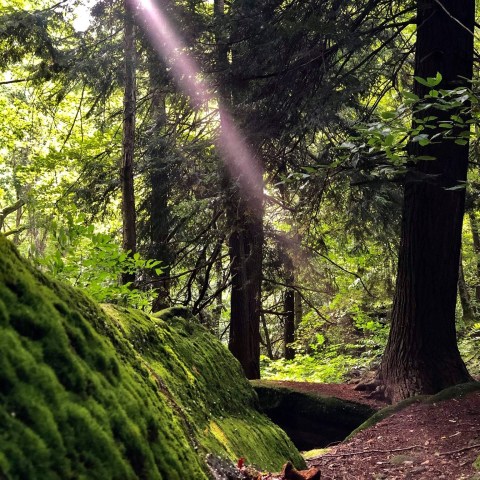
point(388, 115)
point(422, 81)
point(419, 137)
point(389, 140)
point(426, 157)
point(411, 96)
point(349, 145)
point(430, 81)
point(460, 186)
point(461, 141)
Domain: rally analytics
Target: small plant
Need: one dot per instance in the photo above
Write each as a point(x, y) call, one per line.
point(95, 262)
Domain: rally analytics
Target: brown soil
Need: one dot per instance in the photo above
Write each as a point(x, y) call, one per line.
point(423, 441)
point(339, 390)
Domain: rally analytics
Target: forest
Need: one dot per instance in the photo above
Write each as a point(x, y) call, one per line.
point(197, 193)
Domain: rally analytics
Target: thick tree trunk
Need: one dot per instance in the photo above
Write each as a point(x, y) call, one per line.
point(244, 213)
point(422, 355)
point(126, 170)
point(245, 247)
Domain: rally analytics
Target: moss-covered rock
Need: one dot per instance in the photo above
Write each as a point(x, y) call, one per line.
point(110, 393)
point(310, 420)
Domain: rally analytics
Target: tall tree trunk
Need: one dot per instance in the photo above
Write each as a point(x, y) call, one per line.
point(126, 170)
point(217, 310)
point(422, 356)
point(245, 247)
point(298, 309)
point(476, 248)
point(289, 331)
point(160, 186)
point(289, 277)
point(288, 305)
point(244, 214)
point(268, 341)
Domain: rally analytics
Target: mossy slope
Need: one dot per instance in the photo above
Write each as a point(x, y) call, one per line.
point(87, 393)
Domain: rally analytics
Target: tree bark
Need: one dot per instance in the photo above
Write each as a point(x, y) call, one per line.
point(126, 170)
point(422, 356)
point(289, 331)
point(160, 186)
point(245, 248)
point(298, 309)
point(288, 304)
point(268, 341)
point(244, 214)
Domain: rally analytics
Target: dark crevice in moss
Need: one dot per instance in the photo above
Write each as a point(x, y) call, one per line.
point(311, 421)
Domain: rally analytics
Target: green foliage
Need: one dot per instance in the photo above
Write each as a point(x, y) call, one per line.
point(388, 137)
point(95, 262)
point(331, 367)
point(468, 346)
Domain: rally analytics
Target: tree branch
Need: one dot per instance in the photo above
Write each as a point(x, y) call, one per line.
point(10, 209)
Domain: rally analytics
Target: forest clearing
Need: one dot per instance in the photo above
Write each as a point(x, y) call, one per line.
point(239, 239)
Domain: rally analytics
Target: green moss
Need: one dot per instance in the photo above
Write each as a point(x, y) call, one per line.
point(92, 393)
point(206, 384)
point(457, 391)
point(71, 404)
point(386, 412)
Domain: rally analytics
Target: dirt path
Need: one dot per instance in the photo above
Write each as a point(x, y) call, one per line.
point(423, 441)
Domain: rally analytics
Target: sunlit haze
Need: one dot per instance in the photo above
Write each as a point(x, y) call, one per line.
point(82, 16)
point(233, 147)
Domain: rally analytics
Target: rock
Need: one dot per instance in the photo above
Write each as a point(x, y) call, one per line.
point(311, 421)
point(111, 393)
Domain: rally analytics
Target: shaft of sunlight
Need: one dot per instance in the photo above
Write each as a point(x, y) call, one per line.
point(232, 145)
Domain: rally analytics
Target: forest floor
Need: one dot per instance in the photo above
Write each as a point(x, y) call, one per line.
point(422, 441)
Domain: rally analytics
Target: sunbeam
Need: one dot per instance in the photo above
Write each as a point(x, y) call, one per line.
point(232, 145)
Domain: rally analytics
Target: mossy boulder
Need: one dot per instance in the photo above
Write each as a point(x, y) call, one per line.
point(311, 421)
point(89, 392)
